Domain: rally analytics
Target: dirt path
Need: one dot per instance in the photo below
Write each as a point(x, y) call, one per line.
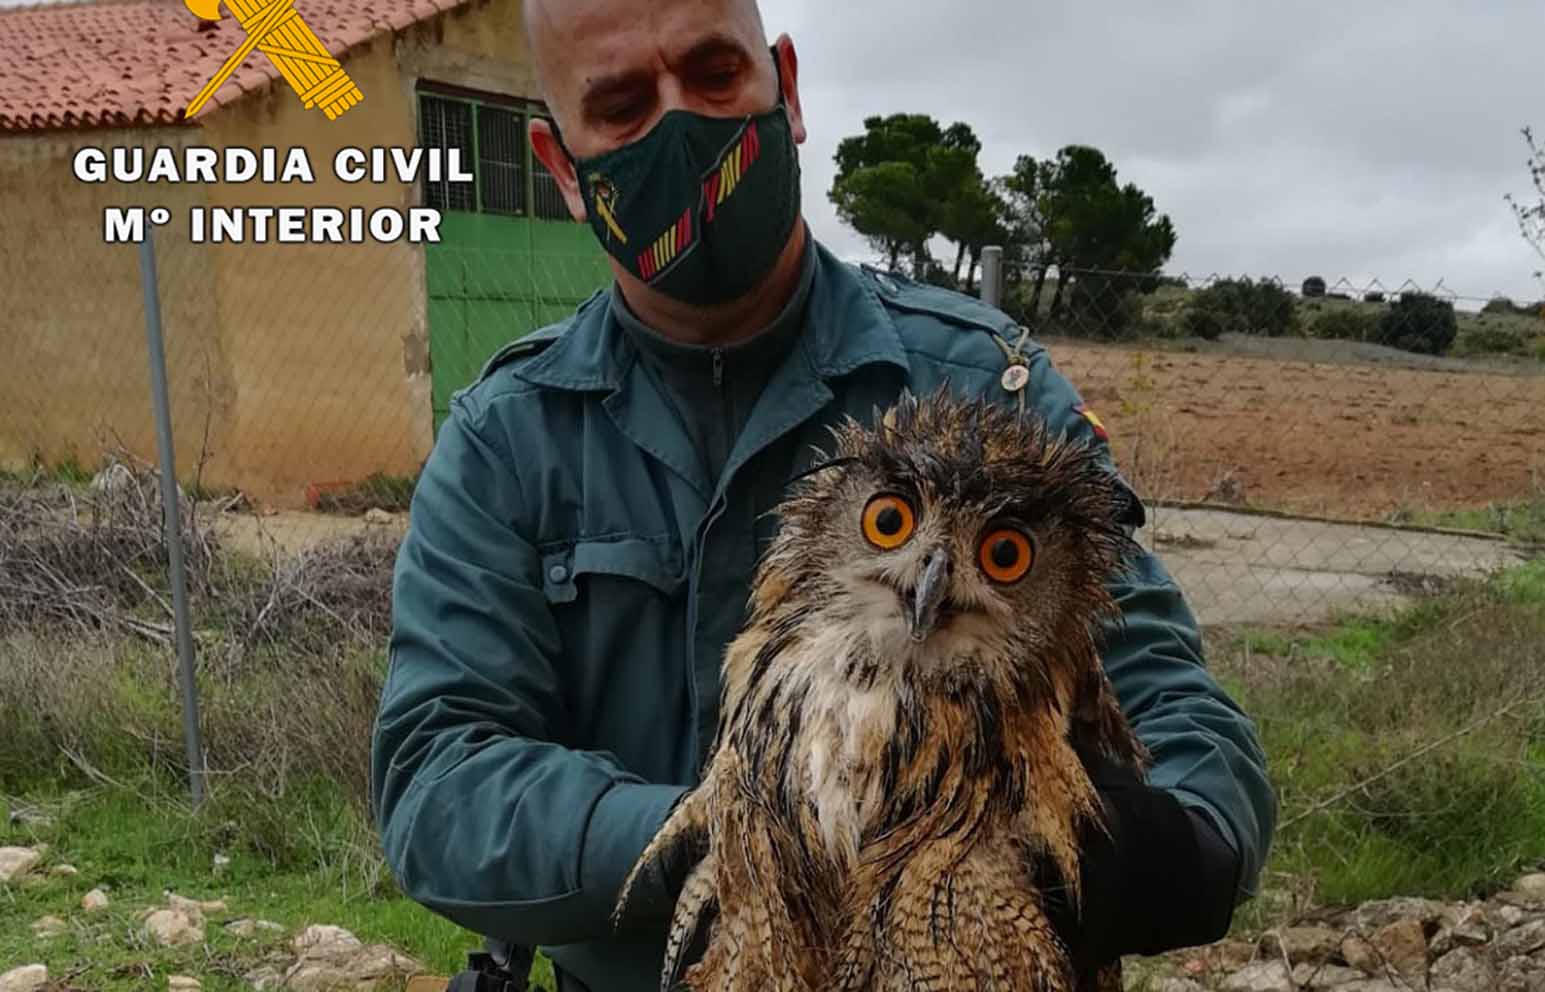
point(1331, 439)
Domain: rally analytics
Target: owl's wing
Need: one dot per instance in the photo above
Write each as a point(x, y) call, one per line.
point(1100, 727)
point(689, 923)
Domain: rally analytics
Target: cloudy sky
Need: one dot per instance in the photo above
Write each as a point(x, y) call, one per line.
point(1361, 140)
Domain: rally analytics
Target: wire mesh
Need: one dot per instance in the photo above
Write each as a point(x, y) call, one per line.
point(1299, 448)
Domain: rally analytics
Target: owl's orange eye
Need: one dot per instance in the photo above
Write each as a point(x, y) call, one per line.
point(888, 522)
point(1006, 554)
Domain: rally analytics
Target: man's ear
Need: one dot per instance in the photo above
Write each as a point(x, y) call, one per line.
point(544, 143)
point(788, 65)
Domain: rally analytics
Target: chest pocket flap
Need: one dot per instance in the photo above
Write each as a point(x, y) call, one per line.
point(657, 563)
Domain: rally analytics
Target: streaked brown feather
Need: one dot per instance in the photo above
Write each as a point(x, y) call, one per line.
point(874, 810)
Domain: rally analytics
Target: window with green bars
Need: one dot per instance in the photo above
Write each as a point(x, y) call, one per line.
point(491, 136)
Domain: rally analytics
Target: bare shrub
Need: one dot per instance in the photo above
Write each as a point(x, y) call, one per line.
point(289, 646)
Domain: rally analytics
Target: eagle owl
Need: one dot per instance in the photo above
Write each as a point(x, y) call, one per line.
point(895, 763)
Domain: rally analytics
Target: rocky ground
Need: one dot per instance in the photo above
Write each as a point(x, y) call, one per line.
point(1394, 945)
point(317, 958)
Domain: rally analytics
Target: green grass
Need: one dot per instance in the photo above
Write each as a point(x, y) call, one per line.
point(139, 848)
point(67, 471)
point(386, 492)
point(1522, 521)
point(1343, 709)
point(1338, 707)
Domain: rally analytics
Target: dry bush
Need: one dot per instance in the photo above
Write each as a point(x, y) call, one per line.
point(91, 559)
point(289, 647)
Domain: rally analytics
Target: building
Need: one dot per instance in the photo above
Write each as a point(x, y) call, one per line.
point(290, 364)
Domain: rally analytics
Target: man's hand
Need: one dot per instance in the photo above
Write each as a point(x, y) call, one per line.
point(660, 881)
point(1164, 878)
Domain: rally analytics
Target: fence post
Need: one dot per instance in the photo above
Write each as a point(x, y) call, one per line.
point(173, 516)
point(992, 275)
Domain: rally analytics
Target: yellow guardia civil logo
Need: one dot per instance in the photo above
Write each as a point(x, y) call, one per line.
point(275, 28)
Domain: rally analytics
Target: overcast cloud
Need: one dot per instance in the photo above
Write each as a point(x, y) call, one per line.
point(1362, 140)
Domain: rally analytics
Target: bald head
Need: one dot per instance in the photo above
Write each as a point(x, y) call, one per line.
point(588, 52)
point(544, 17)
point(610, 69)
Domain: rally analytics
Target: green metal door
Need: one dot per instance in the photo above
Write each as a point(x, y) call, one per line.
point(510, 260)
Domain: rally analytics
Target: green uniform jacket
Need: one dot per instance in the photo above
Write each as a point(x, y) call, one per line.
point(570, 580)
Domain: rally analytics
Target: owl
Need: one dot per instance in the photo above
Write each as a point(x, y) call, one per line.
point(896, 762)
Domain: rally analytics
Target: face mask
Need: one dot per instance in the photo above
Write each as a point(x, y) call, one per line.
point(701, 207)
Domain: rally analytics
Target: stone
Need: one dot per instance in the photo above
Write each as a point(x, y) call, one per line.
point(369, 967)
point(1231, 955)
point(270, 925)
point(182, 983)
point(1357, 952)
point(1324, 976)
point(93, 901)
point(27, 978)
point(64, 871)
point(264, 977)
point(1177, 985)
point(1463, 925)
point(1467, 968)
point(376, 515)
point(1301, 944)
point(1383, 912)
point(1519, 974)
point(173, 927)
point(1266, 976)
point(17, 861)
point(193, 907)
point(1521, 940)
point(1403, 947)
point(331, 956)
point(319, 940)
point(244, 927)
point(48, 926)
point(1532, 887)
point(1372, 985)
point(1502, 916)
point(222, 862)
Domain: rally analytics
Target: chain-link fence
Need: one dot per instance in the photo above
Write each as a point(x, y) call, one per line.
point(1303, 449)
point(1333, 444)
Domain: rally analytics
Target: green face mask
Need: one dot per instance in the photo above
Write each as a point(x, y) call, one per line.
point(701, 207)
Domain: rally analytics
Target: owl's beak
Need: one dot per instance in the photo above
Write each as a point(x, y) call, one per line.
point(932, 587)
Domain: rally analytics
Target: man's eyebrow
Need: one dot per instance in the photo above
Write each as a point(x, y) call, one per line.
point(713, 45)
point(623, 84)
point(615, 85)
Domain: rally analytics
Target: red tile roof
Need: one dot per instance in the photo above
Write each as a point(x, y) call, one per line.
point(141, 62)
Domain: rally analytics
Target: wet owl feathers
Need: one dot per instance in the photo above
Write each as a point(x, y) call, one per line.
point(895, 762)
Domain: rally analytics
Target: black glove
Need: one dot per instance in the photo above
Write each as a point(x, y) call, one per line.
point(654, 894)
point(1163, 879)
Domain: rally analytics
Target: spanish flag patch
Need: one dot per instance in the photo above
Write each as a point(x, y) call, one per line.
point(1094, 421)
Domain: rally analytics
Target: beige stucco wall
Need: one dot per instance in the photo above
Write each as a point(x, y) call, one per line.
point(305, 363)
point(74, 374)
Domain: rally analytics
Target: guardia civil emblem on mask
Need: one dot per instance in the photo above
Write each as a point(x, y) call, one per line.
point(701, 207)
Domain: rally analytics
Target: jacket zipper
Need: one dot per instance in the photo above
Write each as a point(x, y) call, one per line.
point(718, 368)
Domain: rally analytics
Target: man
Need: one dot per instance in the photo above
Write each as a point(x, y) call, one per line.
point(584, 534)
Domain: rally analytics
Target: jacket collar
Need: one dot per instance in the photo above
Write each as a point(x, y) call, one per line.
point(846, 327)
